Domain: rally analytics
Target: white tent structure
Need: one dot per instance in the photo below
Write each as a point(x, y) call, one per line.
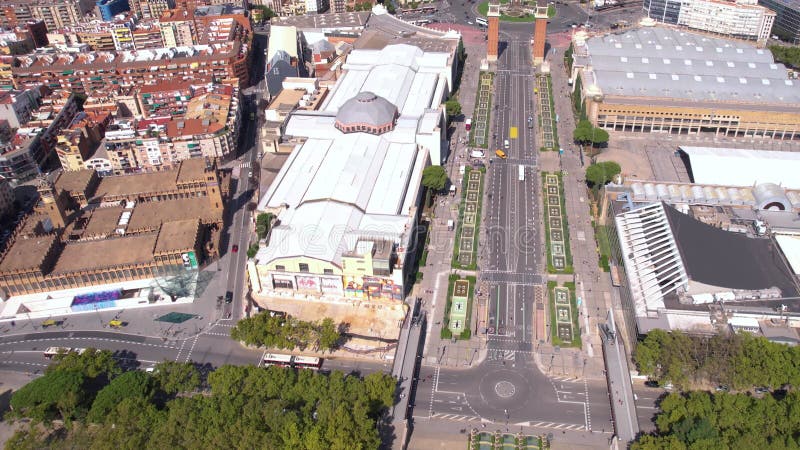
point(742, 167)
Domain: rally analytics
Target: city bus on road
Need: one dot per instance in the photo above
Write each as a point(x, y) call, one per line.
point(307, 362)
point(481, 21)
point(53, 351)
point(277, 359)
point(521, 172)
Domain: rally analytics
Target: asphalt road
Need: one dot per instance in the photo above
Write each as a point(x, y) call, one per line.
point(507, 388)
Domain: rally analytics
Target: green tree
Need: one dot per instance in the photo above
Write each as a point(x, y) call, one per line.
point(599, 174)
point(434, 178)
point(92, 363)
point(328, 334)
point(787, 55)
point(267, 12)
point(174, 377)
point(252, 251)
point(452, 108)
point(134, 384)
point(585, 133)
point(380, 390)
point(57, 394)
point(263, 224)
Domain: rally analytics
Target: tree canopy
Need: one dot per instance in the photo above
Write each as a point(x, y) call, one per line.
point(585, 133)
point(599, 174)
point(787, 55)
point(434, 177)
point(701, 420)
point(286, 332)
point(452, 108)
point(244, 407)
point(741, 361)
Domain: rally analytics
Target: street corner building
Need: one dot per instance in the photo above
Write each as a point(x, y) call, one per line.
point(112, 239)
point(347, 199)
point(665, 80)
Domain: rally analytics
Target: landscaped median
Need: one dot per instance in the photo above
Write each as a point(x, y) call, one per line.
point(559, 256)
point(479, 133)
point(564, 327)
point(465, 250)
point(458, 309)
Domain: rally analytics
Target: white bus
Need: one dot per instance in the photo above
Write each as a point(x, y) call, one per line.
point(53, 351)
point(521, 172)
point(307, 362)
point(277, 359)
point(481, 21)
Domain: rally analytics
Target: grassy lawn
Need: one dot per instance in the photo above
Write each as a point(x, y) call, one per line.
point(475, 116)
point(576, 329)
point(603, 245)
point(461, 210)
point(483, 9)
point(445, 333)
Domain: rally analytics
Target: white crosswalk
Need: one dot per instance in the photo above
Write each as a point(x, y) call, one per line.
point(455, 417)
point(245, 164)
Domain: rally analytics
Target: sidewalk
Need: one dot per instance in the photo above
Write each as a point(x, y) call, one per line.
point(433, 287)
point(593, 286)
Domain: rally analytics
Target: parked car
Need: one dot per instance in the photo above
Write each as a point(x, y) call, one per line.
point(229, 297)
point(235, 248)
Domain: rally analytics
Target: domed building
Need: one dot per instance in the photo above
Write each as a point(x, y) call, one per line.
point(366, 113)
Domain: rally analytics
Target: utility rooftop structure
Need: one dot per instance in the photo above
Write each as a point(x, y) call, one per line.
point(661, 79)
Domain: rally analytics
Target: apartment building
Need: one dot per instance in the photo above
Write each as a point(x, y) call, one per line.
point(743, 19)
point(55, 14)
point(17, 107)
point(86, 72)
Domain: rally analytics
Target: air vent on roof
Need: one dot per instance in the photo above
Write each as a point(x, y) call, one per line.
point(699, 49)
point(710, 63)
point(765, 81)
point(667, 61)
point(719, 50)
point(675, 77)
point(180, 124)
point(658, 47)
point(743, 80)
point(645, 60)
point(720, 79)
point(629, 74)
point(698, 78)
point(751, 65)
point(688, 62)
point(638, 45)
point(623, 59)
point(678, 48)
point(738, 50)
point(731, 64)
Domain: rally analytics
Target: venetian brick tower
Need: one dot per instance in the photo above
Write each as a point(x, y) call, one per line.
point(539, 33)
point(494, 31)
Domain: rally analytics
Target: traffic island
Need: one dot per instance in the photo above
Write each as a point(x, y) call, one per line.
point(491, 441)
point(564, 325)
point(559, 256)
point(458, 310)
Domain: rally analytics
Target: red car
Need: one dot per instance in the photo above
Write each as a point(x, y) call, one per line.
point(235, 249)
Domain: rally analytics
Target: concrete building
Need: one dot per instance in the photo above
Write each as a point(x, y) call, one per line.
point(17, 107)
point(787, 19)
point(55, 14)
point(742, 19)
point(317, 6)
point(353, 179)
point(666, 80)
point(297, 94)
point(87, 72)
point(94, 232)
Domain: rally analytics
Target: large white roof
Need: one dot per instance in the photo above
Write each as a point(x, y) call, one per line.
point(790, 246)
point(742, 167)
point(400, 73)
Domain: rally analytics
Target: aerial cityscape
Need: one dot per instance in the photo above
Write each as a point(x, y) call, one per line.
point(395, 224)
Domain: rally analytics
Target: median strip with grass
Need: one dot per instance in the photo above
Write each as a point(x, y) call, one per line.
point(564, 325)
point(465, 250)
point(458, 309)
point(479, 134)
point(559, 256)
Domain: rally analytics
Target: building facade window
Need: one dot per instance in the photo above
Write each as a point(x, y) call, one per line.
point(303, 267)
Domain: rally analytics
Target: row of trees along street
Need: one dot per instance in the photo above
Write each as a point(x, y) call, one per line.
point(87, 401)
point(741, 361)
point(702, 420)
